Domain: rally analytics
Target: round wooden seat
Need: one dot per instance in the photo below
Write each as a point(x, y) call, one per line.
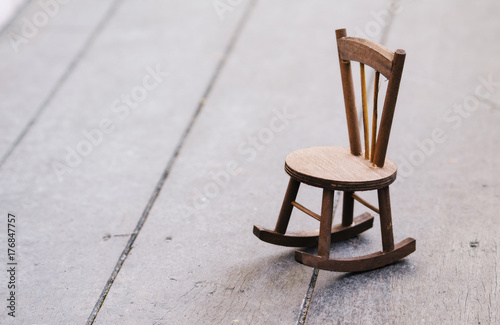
point(337, 169)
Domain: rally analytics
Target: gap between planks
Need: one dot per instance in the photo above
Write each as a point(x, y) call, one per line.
point(170, 163)
point(304, 307)
point(69, 70)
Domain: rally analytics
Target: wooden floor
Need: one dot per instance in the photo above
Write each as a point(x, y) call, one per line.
point(141, 140)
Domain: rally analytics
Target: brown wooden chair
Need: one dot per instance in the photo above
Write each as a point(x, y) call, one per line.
point(348, 169)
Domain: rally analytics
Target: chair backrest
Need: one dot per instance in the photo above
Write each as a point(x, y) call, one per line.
point(385, 62)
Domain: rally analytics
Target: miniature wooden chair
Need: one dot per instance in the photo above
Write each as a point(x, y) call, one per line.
point(348, 169)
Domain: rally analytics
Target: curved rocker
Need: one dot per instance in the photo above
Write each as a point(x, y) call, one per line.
point(310, 238)
point(361, 263)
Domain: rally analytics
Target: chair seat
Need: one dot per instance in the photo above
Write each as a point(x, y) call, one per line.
point(337, 169)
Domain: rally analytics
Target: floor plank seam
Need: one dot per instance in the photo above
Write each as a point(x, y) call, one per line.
point(227, 52)
point(304, 307)
point(71, 67)
point(169, 166)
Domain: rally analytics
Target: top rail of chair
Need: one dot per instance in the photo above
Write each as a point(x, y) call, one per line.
point(365, 51)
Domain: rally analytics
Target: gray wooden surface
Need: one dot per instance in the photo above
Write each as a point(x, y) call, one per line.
point(184, 176)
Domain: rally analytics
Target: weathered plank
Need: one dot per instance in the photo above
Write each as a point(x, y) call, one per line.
point(32, 44)
point(196, 260)
point(72, 232)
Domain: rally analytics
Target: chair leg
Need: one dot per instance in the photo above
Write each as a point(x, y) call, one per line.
point(384, 202)
point(287, 207)
point(325, 227)
point(390, 254)
point(348, 209)
point(311, 238)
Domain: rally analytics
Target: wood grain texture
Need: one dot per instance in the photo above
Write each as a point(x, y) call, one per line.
point(364, 101)
point(286, 207)
point(367, 52)
point(347, 209)
point(384, 203)
point(336, 168)
point(306, 210)
point(349, 101)
point(325, 225)
point(389, 107)
point(374, 114)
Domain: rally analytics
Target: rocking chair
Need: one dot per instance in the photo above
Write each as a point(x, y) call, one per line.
point(348, 169)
